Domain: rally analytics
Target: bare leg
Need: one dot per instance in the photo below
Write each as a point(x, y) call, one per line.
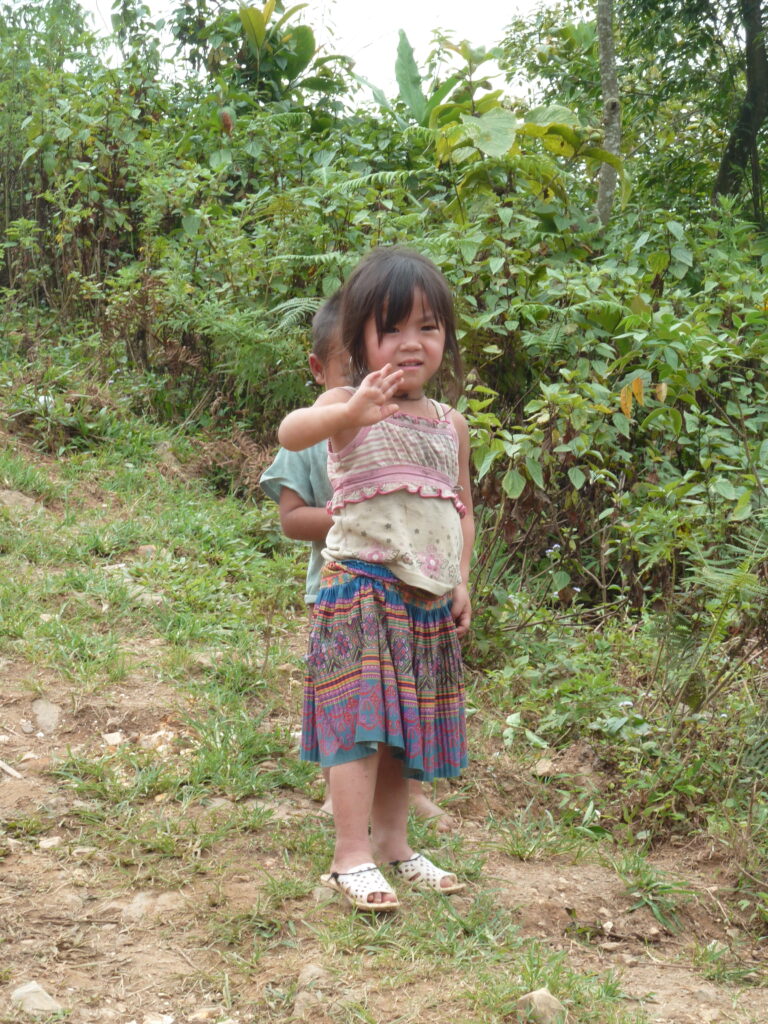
point(389, 824)
point(327, 807)
point(352, 791)
point(389, 831)
point(427, 809)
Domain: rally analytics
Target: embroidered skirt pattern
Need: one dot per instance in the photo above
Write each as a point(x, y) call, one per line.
point(384, 666)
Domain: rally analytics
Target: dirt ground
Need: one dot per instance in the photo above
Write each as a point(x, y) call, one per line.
point(111, 946)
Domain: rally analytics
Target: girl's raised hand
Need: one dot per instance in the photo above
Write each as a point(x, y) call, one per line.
point(372, 402)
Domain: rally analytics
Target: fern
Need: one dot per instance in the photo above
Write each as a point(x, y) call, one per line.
point(292, 314)
point(377, 179)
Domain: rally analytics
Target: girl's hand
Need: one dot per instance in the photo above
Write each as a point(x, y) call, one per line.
point(461, 609)
point(372, 402)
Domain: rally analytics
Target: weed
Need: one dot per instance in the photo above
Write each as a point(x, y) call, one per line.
point(649, 888)
point(19, 474)
point(724, 966)
point(534, 835)
point(22, 828)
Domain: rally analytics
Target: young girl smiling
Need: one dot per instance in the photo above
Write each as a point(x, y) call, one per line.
point(384, 698)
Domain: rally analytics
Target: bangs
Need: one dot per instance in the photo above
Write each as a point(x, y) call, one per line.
point(396, 295)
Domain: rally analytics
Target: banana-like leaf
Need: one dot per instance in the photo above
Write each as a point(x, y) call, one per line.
point(254, 25)
point(409, 80)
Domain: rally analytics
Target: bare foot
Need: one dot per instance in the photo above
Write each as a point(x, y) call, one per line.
point(428, 810)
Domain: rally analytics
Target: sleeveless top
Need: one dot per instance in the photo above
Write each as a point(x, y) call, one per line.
point(395, 500)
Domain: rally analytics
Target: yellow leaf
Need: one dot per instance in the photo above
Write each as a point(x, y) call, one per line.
point(637, 390)
point(625, 400)
point(661, 391)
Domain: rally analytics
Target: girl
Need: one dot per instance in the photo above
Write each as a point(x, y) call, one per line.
point(384, 696)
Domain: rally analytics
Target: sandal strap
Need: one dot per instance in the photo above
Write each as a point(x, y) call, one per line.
point(361, 869)
point(422, 872)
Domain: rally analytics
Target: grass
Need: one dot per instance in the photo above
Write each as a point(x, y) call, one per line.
point(223, 811)
point(653, 890)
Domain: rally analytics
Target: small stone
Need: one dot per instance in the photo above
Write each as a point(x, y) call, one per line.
point(84, 852)
point(158, 1018)
point(628, 960)
point(17, 500)
point(541, 1007)
point(204, 1013)
point(113, 739)
point(322, 894)
point(46, 714)
point(50, 842)
point(32, 998)
point(146, 551)
point(204, 659)
point(26, 726)
point(313, 975)
point(305, 1004)
point(544, 768)
point(148, 599)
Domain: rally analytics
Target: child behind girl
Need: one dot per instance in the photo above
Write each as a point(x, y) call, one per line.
point(298, 482)
point(384, 698)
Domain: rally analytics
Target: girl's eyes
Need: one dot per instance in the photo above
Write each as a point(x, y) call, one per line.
point(424, 327)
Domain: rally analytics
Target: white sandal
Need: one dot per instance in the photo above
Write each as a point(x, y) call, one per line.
point(421, 872)
point(358, 884)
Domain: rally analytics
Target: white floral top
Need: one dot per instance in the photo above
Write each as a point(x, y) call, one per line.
point(395, 500)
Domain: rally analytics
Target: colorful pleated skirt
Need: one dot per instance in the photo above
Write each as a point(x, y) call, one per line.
point(384, 666)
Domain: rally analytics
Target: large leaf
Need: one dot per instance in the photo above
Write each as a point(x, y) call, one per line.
point(553, 114)
point(493, 133)
point(302, 41)
point(409, 80)
point(255, 27)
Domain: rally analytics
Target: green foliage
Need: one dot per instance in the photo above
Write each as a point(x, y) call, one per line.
point(166, 241)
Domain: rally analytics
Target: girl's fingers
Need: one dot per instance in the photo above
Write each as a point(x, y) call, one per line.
point(384, 381)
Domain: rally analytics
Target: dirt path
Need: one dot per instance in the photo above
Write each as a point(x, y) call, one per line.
point(115, 939)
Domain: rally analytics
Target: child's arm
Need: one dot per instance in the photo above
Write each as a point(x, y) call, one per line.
point(339, 414)
point(461, 608)
point(301, 521)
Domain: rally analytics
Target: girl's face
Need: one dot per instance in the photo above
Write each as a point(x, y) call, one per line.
point(415, 346)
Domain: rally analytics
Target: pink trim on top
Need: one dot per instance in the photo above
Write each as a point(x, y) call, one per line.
point(399, 474)
point(338, 501)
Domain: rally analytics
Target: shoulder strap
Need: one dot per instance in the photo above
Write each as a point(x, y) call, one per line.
point(443, 411)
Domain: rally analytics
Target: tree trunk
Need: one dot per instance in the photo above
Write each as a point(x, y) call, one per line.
point(609, 83)
point(741, 148)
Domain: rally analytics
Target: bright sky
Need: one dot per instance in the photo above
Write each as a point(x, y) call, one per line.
point(368, 32)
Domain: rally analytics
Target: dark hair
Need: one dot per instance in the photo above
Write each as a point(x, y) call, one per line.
point(326, 325)
point(382, 286)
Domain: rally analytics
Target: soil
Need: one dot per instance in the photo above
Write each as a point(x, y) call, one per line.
point(115, 942)
point(113, 948)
